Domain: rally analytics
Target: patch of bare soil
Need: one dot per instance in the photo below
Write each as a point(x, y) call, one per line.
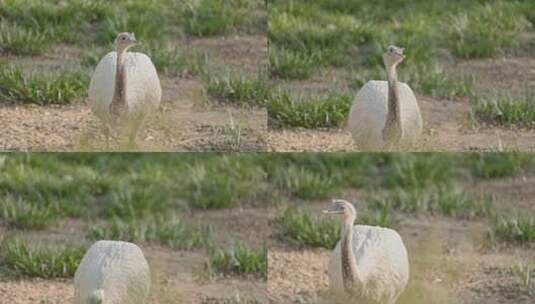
point(184, 122)
point(290, 140)
point(244, 53)
point(449, 263)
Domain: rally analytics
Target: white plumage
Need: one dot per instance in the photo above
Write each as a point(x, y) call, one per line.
point(143, 92)
point(112, 272)
point(367, 116)
point(382, 262)
point(385, 114)
point(141, 87)
point(376, 261)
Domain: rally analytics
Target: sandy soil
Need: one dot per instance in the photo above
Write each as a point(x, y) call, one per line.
point(450, 260)
point(178, 276)
point(184, 122)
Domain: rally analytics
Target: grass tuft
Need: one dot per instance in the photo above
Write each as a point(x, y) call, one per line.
point(326, 111)
point(42, 262)
point(18, 40)
point(304, 229)
point(486, 30)
point(445, 200)
point(19, 213)
point(238, 260)
point(508, 111)
point(221, 185)
point(213, 17)
point(301, 183)
point(517, 229)
point(499, 165)
point(237, 89)
point(288, 64)
point(42, 88)
point(410, 171)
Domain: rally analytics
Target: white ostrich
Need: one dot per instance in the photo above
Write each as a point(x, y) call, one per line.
point(369, 263)
point(112, 272)
point(125, 88)
point(385, 114)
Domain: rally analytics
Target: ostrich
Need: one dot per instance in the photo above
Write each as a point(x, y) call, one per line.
point(112, 272)
point(124, 88)
point(385, 114)
point(369, 263)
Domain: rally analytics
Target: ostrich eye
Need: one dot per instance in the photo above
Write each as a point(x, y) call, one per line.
point(123, 38)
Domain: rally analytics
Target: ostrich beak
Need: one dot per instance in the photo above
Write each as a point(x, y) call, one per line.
point(334, 209)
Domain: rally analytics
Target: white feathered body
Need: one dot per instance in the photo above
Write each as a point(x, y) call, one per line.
point(115, 271)
point(367, 116)
point(382, 263)
point(143, 91)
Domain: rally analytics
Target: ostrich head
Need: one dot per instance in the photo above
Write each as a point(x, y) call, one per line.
point(393, 56)
point(339, 206)
point(124, 41)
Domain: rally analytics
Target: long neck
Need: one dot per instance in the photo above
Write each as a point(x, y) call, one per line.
point(119, 97)
point(392, 126)
point(350, 273)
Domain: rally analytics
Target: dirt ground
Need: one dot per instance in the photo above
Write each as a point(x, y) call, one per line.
point(451, 262)
point(178, 276)
point(447, 125)
point(184, 122)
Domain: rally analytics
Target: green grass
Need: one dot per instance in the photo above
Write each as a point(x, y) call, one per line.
point(303, 28)
point(17, 40)
point(323, 111)
point(37, 190)
point(32, 26)
point(42, 88)
point(417, 171)
point(238, 89)
point(444, 200)
point(163, 230)
point(131, 202)
point(223, 185)
point(288, 64)
point(309, 36)
point(299, 182)
point(513, 229)
point(22, 214)
point(212, 17)
point(284, 108)
point(238, 260)
point(486, 30)
point(302, 228)
point(507, 111)
point(499, 165)
point(39, 261)
point(175, 61)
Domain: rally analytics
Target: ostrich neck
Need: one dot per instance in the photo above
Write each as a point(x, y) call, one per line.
point(349, 265)
point(120, 80)
point(393, 111)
